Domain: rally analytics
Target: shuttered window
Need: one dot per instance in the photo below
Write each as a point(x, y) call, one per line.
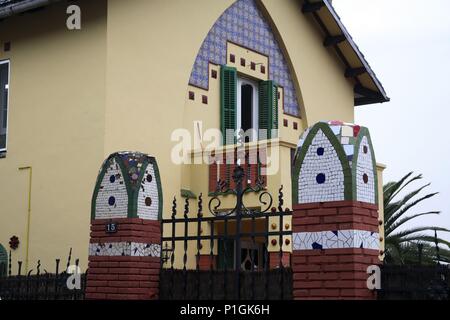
point(268, 108)
point(4, 87)
point(228, 87)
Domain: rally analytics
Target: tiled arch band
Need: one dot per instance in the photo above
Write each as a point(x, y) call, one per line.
point(340, 239)
point(125, 248)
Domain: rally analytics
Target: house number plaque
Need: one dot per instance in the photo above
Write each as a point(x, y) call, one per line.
point(111, 227)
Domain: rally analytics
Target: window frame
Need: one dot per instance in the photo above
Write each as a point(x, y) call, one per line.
point(8, 63)
point(255, 107)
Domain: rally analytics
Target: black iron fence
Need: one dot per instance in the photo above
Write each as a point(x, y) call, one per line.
point(408, 282)
point(230, 248)
point(38, 284)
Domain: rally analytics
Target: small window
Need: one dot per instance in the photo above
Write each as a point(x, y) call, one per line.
point(4, 88)
point(247, 108)
point(3, 261)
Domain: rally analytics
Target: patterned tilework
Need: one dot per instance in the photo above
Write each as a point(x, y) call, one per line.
point(130, 187)
point(148, 198)
point(133, 163)
point(244, 24)
point(365, 182)
point(132, 249)
point(340, 239)
point(321, 175)
point(112, 197)
point(321, 161)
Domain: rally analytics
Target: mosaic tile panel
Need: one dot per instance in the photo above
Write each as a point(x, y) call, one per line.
point(340, 239)
point(128, 185)
point(365, 182)
point(321, 175)
point(361, 186)
point(243, 23)
point(132, 249)
point(112, 197)
point(148, 197)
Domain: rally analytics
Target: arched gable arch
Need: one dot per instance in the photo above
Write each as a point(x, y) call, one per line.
point(330, 160)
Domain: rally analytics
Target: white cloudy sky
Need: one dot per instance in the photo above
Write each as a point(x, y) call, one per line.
point(407, 44)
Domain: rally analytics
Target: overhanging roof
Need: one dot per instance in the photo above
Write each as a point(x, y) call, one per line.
point(368, 89)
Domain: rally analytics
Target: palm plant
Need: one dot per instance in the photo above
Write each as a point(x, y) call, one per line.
point(402, 244)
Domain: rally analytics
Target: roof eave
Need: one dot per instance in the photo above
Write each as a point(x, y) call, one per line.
point(378, 96)
point(23, 6)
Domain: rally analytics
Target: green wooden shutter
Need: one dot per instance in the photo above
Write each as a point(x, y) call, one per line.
point(268, 107)
point(228, 88)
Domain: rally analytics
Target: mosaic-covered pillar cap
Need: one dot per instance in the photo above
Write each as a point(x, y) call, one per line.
point(128, 186)
point(335, 161)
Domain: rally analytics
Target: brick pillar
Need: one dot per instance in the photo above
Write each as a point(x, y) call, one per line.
point(274, 259)
point(334, 243)
point(124, 265)
point(125, 244)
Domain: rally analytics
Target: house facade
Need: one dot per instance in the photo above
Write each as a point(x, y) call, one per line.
point(175, 80)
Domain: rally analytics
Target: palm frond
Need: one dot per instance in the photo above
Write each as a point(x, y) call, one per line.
point(392, 207)
point(405, 208)
point(393, 226)
point(410, 232)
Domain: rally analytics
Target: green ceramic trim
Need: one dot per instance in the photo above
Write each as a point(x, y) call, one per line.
point(187, 194)
point(340, 152)
point(159, 186)
point(364, 132)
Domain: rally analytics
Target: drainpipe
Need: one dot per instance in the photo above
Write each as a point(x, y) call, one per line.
point(22, 6)
point(27, 241)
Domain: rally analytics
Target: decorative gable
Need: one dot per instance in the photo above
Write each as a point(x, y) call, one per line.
point(244, 24)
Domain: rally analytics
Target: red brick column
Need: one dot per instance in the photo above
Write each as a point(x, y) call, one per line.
point(274, 259)
point(329, 269)
point(124, 265)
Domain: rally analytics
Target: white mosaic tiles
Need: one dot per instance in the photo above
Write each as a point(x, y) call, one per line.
point(148, 197)
point(112, 197)
point(132, 249)
point(340, 239)
point(365, 182)
point(321, 175)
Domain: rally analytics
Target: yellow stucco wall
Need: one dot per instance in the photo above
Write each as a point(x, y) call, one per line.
point(57, 126)
point(121, 83)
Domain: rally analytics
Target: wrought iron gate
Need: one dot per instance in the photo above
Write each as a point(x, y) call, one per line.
point(238, 264)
